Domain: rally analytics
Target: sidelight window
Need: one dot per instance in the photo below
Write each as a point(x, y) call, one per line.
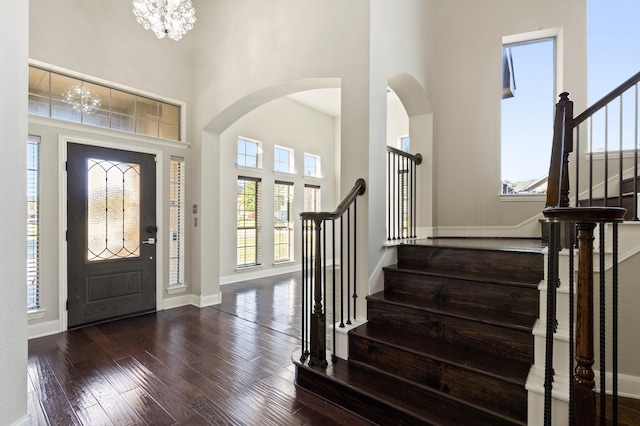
point(33, 223)
point(176, 222)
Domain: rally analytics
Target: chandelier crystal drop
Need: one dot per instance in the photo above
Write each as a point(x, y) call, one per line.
point(171, 18)
point(82, 99)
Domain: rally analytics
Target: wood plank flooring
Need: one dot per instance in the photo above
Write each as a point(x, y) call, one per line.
point(229, 364)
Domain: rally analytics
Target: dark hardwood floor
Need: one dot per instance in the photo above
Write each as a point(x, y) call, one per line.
point(229, 364)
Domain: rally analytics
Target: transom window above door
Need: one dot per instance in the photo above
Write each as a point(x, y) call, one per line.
point(68, 98)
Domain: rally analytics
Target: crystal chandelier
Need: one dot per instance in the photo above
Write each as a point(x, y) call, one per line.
point(82, 99)
point(165, 17)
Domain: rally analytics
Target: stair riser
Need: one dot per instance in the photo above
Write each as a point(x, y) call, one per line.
point(497, 265)
point(486, 391)
point(514, 343)
point(380, 412)
point(502, 297)
point(353, 400)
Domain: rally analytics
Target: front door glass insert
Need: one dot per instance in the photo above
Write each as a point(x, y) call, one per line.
point(113, 210)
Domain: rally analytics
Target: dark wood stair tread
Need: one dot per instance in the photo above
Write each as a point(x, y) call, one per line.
point(462, 276)
point(425, 405)
point(486, 316)
point(487, 363)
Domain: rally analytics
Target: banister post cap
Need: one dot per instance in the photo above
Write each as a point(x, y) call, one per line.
point(564, 96)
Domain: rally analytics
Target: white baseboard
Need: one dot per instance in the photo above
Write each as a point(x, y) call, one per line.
point(176, 302)
point(43, 329)
point(204, 301)
point(530, 228)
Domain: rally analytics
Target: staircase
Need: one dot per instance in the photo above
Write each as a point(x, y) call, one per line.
point(448, 342)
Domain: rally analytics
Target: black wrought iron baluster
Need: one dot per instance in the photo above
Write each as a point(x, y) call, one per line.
point(341, 271)
point(304, 284)
point(572, 245)
point(614, 337)
point(552, 280)
point(602, 323)
point(606, 155)
point(620, 156)
point(355, 257)
point(348, 213)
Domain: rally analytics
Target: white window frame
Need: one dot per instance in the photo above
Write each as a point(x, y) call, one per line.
point(288, 165)
point(549, 33)
point(318, 164)
point(258, 145)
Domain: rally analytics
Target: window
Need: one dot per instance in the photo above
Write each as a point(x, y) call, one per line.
point(176, 222)
point(248, 221)
point(312, 198)
point(33, 223)
point(311, 204)
point(283, 160)
point(404, 143)
point(527, 115)
point(283, 225)
point(247, 153)
point(71, 99)
point(311, 165)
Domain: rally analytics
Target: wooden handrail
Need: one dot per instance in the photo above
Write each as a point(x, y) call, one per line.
point(359, 188)
point(606, 99)
point(417, 157)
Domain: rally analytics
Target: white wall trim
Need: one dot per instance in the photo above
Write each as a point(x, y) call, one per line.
point(122, 144)
point(204, 301)
point(259, 273)
point(177, 289)
point(42, 329)
point(176, 302)
point(530, 228)
point(628, 386)
point(36, 314)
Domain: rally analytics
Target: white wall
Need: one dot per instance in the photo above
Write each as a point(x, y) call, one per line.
point(250, 53)
point(101, 38)
point(467, 100)
point(13, 211)
point(285, 123)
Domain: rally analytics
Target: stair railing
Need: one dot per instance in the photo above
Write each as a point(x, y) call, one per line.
point(613, 121)
point(582, 399)
point(401, 194)
point(329, 265)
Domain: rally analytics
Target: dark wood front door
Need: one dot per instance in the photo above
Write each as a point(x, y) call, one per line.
point(111, 233)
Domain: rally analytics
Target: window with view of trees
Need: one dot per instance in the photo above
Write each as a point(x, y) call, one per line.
point(248, 221)
point(283, 225)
